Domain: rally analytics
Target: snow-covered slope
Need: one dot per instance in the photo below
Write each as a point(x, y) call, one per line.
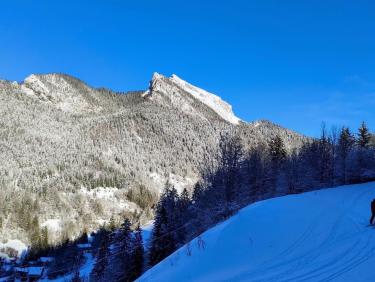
point(184, 96)
point(316, 236)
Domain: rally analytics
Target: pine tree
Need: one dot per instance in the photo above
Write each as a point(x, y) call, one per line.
point(197, 193)
point(44, 238)
point(83, 238)
point(163, 238)
point(277, 153)
point(35, 237)
point(101, 259)
point(256, 172)
point(184, 202)
point(183, 215)
point(124, 251)
point(326, 158)
point(112, 224)
point(364, 136)
point(345, 145)
point(227, 175)
point(138, 255)
point(277, 149)
point(292, 173)
point(76, 277)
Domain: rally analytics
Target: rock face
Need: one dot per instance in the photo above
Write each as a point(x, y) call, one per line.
point(60, 138)
point(185, 96)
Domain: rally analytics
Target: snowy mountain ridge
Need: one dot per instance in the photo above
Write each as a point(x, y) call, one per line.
point(213, 101)
point(184, 96)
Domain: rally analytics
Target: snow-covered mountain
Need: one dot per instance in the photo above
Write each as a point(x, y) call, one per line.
point(316, 236)
point(222, 108)
point(72, 155)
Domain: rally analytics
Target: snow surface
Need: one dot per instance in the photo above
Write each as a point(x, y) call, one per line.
point(53, 225)
point(222, 108)
point(84, 271)
point(177, 181)
point(16, 245)
point(316, 236)
point(146, 233)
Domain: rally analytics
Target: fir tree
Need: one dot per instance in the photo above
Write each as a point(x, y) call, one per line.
point(277, 149)
point(138, 255)
point(326, 158)
point(197, 193)
point(101, 259)
point(84, 238)
point(256, 172)
point(124, 251)
point(163, 238)
point(35, 237)
point(364, 136)
point(345, 145)
point(277, 153)
point(112, 224)
point(231, 152)
point(44, 240)
point(183, 215)
point(76, 277)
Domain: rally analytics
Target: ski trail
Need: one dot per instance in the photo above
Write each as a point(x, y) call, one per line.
point(321, 236)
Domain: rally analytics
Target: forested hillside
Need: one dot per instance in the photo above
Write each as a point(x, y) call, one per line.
point(72, 156)
point(240, 178)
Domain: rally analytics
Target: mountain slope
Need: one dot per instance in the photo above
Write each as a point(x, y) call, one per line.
point(72, 156)
point(316, 236)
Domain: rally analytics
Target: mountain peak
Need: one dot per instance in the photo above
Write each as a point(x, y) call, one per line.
point(65, 92)
point(160, 83)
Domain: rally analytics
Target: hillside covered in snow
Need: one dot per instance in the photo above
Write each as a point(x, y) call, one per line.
point(73, 156)
point(316, 236)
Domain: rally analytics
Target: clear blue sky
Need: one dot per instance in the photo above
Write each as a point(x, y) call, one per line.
point(297, 63)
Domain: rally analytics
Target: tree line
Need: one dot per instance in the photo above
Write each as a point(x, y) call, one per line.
point(238, 178)
point(338, 157)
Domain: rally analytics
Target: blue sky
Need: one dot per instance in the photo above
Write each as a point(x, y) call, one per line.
point(296, 63)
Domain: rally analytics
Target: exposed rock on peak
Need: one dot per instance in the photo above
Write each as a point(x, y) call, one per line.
point(65, 92)
point(176, 89)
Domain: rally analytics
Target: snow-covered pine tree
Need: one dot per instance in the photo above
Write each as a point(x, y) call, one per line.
point(137, 255)
point(124, 252)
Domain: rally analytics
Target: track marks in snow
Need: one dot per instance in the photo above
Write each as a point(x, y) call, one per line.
point(320, 236)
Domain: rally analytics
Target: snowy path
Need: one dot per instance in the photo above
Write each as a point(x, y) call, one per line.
point(317, 236)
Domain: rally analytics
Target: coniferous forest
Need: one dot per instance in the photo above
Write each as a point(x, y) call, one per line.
point(240, 178)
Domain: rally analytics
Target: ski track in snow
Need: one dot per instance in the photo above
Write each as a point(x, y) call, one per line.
point(316, 236)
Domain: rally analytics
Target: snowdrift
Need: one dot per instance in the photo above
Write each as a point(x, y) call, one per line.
point(316, 236)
